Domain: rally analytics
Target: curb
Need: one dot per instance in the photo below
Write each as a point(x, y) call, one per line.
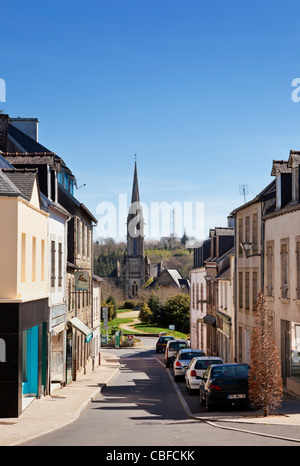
point(211, 422)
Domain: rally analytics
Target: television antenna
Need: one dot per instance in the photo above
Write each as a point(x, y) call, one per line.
point(243, 191)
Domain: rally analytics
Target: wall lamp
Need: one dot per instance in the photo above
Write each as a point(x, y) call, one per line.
point(247, 246)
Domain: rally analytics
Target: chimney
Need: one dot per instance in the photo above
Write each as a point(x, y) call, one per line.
point(4, 119)
point(28, 126)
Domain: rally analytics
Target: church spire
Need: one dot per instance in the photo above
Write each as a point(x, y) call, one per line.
point(135, 189)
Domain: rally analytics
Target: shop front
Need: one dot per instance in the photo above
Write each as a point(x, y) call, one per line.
point(24, 363)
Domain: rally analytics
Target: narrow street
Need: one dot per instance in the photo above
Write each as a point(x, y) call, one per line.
point(141, 407)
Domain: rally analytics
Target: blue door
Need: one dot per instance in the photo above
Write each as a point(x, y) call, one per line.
point(30, 361)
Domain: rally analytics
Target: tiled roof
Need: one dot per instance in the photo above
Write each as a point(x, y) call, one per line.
point(280, 166)
point(7, 187)
point(22, 179)
point(26, 143)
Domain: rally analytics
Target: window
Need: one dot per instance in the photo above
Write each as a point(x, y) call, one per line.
point(247, 229)
point(298, 269)
point(241, 290)
point(240, 237)
point(43, 260)
point(254, 290)
point(53, 251)
point(60, 264)
point(269, 270)
point(23, 258)
point(284, 270)
point(83, 239)
point(78, 236)
point(247, 290)
point(34, 259)
point(254, 233)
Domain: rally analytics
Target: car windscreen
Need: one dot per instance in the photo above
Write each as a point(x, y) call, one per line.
point(230, 371)
point(187, 356)
point(164, 339)
point(203, 364)
point(177, 345)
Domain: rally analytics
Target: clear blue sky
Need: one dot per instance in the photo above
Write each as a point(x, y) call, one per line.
point(199, 90)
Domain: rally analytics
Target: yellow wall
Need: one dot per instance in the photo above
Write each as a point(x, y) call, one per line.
point(8, 247)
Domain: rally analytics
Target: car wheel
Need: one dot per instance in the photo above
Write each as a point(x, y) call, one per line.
point(201, 399)
point(208, 405)
point(167, 364)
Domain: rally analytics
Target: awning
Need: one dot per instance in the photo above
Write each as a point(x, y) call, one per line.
point(209, 320)
point(58, 329)
point(77, 323)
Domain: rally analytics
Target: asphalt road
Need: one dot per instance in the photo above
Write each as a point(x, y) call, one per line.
point(141, 408)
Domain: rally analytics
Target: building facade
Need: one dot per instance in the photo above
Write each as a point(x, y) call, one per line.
point(24, 291)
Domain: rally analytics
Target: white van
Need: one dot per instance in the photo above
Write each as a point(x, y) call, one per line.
point(172, 348)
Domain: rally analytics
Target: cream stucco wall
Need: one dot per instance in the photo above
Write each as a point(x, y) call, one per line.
point(277, 229)
point(19, 216)
point(8, 248)
point(34, 223)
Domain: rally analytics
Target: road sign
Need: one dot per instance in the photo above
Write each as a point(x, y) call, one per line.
point(171, 327)
point(130, 337)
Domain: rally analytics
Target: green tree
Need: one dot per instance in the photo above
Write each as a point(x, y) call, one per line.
point(155, 307)
point(177, 312)
point(145, 314)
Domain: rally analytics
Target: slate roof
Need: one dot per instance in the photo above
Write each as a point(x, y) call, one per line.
point(26, 143)
point(7, 187)
point(280, 166)
point(21, 181)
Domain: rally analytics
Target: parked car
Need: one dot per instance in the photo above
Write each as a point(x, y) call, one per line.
point(224, 384)
point(183, 359)
point(173, 346)
point(162, 343)
point(196, 370)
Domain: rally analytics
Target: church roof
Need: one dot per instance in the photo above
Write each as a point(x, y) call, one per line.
point(135, 189)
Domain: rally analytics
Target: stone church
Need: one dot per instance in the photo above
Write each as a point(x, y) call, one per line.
point(134, 270)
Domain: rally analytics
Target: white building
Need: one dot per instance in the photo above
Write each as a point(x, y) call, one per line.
point(57, 256)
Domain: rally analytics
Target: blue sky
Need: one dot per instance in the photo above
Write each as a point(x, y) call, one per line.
point(200, 91)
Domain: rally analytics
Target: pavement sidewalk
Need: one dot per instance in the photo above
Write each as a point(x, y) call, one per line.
point(59, 409)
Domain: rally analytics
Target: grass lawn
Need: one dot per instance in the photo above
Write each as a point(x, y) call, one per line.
point(153, 328)
point(147, 328)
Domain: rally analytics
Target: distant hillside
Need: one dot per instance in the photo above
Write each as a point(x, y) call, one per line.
point(169, 251)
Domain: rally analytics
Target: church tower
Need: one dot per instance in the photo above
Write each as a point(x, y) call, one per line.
point(136, 272)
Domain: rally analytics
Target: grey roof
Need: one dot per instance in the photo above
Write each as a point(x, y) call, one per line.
point(22, 179)
point(280, 166)
point(26, 143)
point(7, 187)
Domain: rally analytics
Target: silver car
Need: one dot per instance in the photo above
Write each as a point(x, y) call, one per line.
point(183, 359)
point(196, 370)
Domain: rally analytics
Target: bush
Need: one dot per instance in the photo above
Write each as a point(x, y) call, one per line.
point(145, 314)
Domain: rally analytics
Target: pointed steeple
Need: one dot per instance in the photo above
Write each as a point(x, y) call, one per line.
point(135, 189)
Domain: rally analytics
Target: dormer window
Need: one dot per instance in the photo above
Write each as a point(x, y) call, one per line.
point(278, 191)
point(295, 184)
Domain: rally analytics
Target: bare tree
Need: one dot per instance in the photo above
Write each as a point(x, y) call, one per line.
point(265, 381)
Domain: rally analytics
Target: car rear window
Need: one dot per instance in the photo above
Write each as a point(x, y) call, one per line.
point(164, 339)
point(230, 371)
point(190, 355)
point(177, 345)
point(203, 364)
